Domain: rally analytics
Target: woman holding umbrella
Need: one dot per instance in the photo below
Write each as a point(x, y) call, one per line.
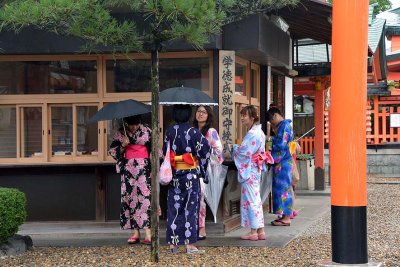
point(130, 148)
point(204, 121)
point(189, 155)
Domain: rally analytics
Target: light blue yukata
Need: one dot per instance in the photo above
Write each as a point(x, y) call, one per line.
point(282, 197)
point(249, 175)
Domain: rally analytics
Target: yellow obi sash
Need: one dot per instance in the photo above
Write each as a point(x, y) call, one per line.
point(185, 162)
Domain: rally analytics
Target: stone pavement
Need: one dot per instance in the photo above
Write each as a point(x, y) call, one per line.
point(310, 204)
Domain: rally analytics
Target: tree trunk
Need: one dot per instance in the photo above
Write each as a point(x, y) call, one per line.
point(155, 164)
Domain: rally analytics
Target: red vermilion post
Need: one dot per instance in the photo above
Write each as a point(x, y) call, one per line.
point(348, 131)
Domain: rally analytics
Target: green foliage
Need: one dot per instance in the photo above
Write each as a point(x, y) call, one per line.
point(87, 19)
point(12, 212)
point(243, 8)
point(383, 5)
point(92, 20)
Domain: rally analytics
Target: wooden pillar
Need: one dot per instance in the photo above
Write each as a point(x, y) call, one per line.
point(100, 194)
point(348, 132)
point(319, 172)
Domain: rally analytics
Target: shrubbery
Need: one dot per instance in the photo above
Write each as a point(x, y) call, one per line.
point(12, 212)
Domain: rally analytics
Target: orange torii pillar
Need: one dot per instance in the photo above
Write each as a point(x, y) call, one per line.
point(348, 131)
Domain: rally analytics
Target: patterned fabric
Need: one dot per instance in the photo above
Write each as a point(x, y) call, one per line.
point(282, 181)
point(249, 176)
point(217, 150)
point(135, 173)
point(184, 189)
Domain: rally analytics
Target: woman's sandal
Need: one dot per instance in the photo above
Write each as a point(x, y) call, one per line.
point(251, 237)
point(201, 237)
point(133, 240)
point(195, 251)
point(261, 236)
point(280, 223)
point(145, 242)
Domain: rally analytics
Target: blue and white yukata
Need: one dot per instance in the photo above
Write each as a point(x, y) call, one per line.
point(184, 189)
point(282, 197)
point(249, 175)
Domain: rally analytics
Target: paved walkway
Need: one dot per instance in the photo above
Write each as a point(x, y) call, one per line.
point(310, 204)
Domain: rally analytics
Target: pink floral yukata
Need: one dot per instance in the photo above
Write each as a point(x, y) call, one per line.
point(135, 180)
point(249, 175)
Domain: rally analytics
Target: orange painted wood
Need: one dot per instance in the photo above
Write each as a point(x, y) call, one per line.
point(347, 127)
point(376, 120)
point(395, 43)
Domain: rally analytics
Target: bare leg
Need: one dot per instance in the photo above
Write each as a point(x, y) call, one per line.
point(136, 233)
point(147, 232)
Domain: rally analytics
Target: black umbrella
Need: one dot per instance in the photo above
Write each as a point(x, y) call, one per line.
point(185, 96)
point(119, 110)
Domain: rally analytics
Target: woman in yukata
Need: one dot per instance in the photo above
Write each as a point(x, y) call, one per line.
point(190, 153)
point(249, 160)
point(204, 121)
point(130, 148)
point(282, 197)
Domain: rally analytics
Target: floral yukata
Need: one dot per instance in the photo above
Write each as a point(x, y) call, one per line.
point(249, 175)
point(135, 179)
point(282, 198)
point(184, 189)
point(216, 158)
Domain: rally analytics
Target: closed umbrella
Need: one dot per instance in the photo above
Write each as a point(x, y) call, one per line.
point(266, 184)
point(216, 179)
point(185, 96)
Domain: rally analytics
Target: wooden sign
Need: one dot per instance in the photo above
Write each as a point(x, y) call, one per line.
point(226, 103)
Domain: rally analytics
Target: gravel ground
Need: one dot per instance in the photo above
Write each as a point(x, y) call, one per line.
point(310, 248)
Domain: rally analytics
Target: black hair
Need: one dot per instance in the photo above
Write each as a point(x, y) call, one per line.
point(251, 111)
point(182, 113)
point(272, 111)
point(209, 122)
point(133, 120)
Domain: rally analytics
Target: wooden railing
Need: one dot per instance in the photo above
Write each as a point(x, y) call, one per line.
point(378, 130)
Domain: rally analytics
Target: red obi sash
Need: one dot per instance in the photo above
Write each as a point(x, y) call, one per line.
point(260, 158)
point(183, 162)
point(136, 151)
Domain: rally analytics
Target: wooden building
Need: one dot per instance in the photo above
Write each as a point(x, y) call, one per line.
point(49, 91)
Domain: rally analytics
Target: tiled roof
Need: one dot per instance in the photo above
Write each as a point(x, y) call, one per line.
point(375, 31)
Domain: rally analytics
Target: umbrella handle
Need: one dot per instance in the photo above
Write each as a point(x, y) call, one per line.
point(123, 125)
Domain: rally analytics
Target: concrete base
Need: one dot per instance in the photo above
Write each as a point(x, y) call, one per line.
point(306, 171)
point(328, 263)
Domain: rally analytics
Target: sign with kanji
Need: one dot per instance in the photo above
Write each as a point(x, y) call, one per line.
point(226, 104)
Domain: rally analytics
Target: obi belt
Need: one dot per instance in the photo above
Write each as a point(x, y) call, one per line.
point(136, 152)
point(183, 162)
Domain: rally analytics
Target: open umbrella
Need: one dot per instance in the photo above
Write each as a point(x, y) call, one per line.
point(185, 96)
point(119, 110)
point(213, 190)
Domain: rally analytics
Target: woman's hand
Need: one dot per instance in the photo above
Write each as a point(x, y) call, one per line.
point(125, 142)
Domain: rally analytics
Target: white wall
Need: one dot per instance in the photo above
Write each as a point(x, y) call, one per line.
point(288, 98)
